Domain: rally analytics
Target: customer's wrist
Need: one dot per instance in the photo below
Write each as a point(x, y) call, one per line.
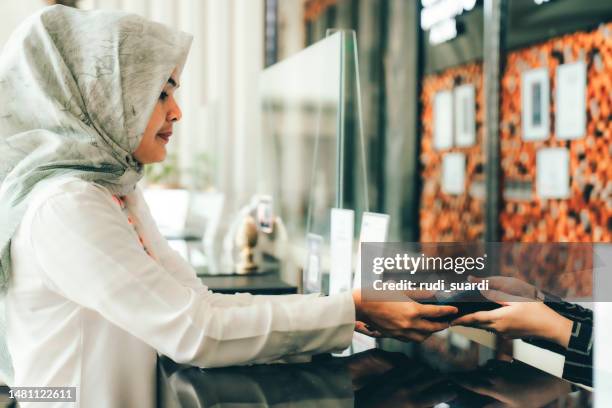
point(564, 332)
point(558, 330)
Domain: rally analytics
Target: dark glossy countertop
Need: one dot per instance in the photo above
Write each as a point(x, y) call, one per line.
point(268, 283)
point(374, 378)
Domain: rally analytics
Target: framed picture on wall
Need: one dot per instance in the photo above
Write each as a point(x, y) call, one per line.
point(570, 100)
point(552, 173)
point(443, 120)
point(453, 173)
point(535, 104)
point(465, 115)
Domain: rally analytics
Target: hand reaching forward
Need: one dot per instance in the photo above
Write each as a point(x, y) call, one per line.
point(406, 321)
point(519, 318)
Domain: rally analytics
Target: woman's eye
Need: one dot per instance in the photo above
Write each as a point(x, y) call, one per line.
point(163, 95)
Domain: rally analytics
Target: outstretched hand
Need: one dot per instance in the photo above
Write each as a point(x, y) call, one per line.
point(519, 318)
point(406, 321)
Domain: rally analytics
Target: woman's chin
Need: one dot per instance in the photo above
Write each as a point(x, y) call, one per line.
point(161, 156)
point(156, 158)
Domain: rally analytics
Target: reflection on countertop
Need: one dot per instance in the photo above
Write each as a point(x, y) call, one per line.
point(373, 378)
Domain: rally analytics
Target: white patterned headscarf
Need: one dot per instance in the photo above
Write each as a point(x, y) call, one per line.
point(77, 89)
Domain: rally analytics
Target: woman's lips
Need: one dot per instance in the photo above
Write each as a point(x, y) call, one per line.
point(165, 136)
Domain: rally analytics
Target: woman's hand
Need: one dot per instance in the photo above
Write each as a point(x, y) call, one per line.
point(363, 328)
point(406, 321)
point(518, 319)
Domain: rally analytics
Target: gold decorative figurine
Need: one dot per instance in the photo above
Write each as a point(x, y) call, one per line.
point(246, 240)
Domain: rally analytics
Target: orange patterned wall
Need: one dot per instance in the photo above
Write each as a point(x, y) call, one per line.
point(443, 217)
point(587, 215)
point(313, 9)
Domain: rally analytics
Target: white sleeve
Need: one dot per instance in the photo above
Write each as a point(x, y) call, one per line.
point(91, 255)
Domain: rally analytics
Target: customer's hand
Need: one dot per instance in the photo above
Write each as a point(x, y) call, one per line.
point(406, 321)
point(519, 318)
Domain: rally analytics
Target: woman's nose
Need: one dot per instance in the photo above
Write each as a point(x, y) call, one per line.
point(174, 114)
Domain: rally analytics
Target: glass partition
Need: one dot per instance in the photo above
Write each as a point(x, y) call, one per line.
point(310, 141)
point(300, 114)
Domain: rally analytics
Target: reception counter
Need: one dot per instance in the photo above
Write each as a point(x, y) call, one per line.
point(373, 378)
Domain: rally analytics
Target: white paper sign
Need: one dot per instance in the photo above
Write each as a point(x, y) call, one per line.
point(453, 173)
point(535, 104)
point(570, 117)
point(312, 267)
point(341, 248)
point(465, 115)
point(552, 173)
point(374, 228)
point(443, 120)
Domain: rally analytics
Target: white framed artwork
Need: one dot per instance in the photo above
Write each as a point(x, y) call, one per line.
point(535, 104)
point(570, 100)
point(453, 173)
point(443, 120)
point(552, 173)
point(465, 115)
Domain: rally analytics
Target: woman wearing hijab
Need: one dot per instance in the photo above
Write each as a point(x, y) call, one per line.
point(92, 290)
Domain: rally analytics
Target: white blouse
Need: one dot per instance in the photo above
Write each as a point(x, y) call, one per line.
point(88, 308)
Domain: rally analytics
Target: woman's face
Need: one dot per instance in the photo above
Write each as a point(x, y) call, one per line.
point(152, 147)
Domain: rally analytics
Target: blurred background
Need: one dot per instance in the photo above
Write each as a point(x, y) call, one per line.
point(409, 52)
